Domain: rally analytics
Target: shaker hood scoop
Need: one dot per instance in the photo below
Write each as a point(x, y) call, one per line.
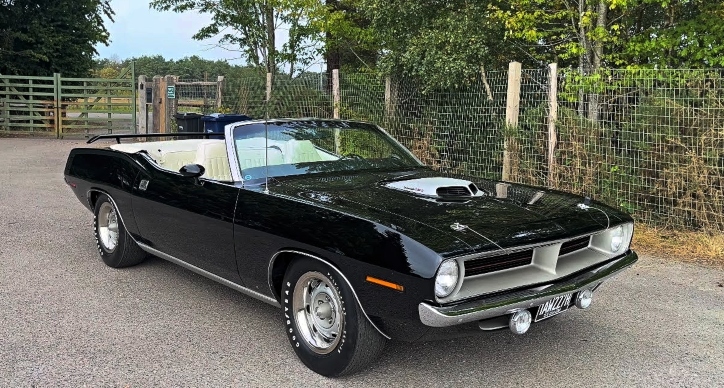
point(437, 187)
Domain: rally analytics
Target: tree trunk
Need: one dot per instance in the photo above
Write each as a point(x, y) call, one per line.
point(293, 46)
point(271, 63)
point(582, 58)
point(332, 55)
point(597, 58)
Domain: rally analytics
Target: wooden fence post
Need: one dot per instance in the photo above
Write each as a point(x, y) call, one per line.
point(142, 111)
point(336, 98)
point(552, 119)
point(171, 103)
point(511, 115)
point(5, 105)
point(58, 106)
point(220, 81)
point(269, 81)
point(390, 98)
point(159, 104)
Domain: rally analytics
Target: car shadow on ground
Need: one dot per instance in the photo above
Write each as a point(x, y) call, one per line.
point(491, 354)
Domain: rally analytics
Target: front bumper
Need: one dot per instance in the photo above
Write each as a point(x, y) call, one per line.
point(498, 305)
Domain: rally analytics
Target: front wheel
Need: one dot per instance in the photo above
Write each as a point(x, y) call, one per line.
point(325, 325)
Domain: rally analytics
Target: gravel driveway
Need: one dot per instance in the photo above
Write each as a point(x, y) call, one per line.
point(68, 320)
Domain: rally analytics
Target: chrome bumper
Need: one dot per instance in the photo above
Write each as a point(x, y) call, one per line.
point(508, 303)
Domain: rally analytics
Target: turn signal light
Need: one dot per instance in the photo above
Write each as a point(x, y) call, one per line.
point(385, 283)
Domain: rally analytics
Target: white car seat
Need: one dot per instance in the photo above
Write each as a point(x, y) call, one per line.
point(212, 155)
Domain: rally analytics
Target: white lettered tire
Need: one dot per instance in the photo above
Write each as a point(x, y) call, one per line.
point(115, 245)
point(324, 324)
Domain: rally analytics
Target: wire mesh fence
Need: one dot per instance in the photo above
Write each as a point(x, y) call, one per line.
point(457, 130)
point(528, 141)
point(305, 96)
point(653, 146)
point(646, 141)
point(198, 96)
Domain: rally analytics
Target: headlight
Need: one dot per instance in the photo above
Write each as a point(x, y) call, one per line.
point(447, 278)
point(617, 237)
point(620, 238)
point(615, 240)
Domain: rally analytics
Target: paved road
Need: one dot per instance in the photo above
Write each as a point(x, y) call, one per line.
point(68, 320)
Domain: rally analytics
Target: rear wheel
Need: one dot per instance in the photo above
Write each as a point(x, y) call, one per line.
point(115, 245)
point(325, 325)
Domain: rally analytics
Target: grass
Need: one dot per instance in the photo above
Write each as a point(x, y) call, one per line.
point(686, 246)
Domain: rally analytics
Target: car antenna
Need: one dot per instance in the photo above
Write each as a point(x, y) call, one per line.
point(266, 137)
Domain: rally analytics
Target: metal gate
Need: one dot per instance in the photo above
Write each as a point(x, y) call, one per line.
point(60, 107)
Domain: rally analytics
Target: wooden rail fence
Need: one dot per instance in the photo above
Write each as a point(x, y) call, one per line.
point(58, 106)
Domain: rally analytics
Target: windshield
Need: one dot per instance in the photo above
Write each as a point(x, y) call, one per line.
point(308, 147)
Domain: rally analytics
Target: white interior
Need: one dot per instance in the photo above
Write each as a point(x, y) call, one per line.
point(211, 153)
point(251, 152)
point(174, 154)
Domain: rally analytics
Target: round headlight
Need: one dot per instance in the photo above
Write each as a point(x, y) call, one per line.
point(617, 237)
point(447, 278)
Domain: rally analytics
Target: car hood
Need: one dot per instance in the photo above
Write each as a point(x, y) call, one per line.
point(501, 215)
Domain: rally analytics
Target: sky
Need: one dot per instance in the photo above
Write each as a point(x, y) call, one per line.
point(140, 31)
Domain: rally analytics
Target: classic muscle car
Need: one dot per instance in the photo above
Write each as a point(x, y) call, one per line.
point(349, 233)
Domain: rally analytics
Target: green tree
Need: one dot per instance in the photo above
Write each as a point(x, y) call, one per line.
point(151, 65)
point(441, 44)
point(193, 67)
point(672, 34)
point(349, 41)
point(250, 27)
point(42, 37)
point(588, 34)
point(591, 34)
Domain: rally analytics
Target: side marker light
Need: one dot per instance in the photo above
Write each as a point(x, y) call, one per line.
point(385, 283)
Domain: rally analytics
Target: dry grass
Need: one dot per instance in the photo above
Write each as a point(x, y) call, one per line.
point(693, 247)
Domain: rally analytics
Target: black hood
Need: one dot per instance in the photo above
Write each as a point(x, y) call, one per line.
point(505, 215)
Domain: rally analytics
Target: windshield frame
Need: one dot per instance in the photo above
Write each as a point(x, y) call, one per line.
point(238, 174)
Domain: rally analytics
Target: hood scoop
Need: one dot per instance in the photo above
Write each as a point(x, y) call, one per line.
point(438, 187)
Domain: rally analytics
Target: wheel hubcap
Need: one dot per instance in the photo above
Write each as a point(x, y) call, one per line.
point(108, 227)
point(317, 311)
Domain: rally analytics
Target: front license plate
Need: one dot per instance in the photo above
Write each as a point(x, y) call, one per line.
point(553, 307)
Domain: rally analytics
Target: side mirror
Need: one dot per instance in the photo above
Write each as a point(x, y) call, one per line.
point(192, 170)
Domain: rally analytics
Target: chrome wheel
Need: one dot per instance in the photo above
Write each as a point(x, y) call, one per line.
point(318, 312)
point(108, 227)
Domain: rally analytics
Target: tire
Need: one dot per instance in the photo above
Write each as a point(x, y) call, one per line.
point(356, 344)
point(115, 245)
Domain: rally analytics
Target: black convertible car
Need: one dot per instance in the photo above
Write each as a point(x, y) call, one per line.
point(349, 233)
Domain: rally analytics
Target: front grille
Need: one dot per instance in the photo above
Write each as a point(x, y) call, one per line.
point(453, 191)
point(498, 263)
point(574, 245)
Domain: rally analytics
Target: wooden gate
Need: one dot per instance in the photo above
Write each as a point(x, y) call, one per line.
point(60, 107)
point(27, 105)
